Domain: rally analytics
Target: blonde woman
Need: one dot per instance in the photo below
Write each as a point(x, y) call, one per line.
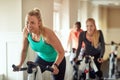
point(94, 44)
point(45, 43)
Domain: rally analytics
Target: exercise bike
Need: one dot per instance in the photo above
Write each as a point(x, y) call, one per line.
point(113, 61)
point(87, 66)
point(74, 64)
point(32, 70)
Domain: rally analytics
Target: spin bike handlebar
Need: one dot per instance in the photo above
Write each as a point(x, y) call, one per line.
point(29, 67)
point(113, 43)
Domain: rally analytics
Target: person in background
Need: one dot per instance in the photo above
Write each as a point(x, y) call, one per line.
point(94, 44)
point(73, 40)
point(74, 35)
point(45, 43)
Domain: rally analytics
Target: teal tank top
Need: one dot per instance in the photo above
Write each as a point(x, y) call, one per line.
point(43, 50)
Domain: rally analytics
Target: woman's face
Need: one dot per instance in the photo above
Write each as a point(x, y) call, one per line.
point(90, 27)
point(32, 24)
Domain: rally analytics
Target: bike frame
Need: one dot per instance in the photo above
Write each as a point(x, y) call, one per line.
point(74, 64)
point(32, 76)
point(113, 60)
point(86, 64)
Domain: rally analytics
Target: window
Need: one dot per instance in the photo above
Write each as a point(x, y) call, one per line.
point(56, 22)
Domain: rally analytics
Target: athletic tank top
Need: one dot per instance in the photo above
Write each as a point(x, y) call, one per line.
point(43, 49)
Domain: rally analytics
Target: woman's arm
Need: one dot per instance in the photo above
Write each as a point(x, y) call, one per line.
point(55, 42)
point(102, 44)
point(24, 47)
point(79, 44)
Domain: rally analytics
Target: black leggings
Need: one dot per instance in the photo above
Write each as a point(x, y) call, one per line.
point(62, 67)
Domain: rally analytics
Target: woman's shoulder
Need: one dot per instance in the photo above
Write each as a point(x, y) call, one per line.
point(48, 30)
point(100, 31)
point(83, 32)
point(49, 35)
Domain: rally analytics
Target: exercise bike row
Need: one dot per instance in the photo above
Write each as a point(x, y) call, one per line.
point(105, 71)
point(31, 65)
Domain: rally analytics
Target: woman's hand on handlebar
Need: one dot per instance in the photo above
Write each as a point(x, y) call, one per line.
point(16, 68)
point(55, 69)
point(75, 59)
point(100, 60)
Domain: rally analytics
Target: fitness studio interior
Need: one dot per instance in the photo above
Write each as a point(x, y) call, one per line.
point(58, 15)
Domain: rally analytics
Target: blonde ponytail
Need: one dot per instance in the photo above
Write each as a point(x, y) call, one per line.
point(96, 38)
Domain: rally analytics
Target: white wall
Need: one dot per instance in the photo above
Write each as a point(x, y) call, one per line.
point(73, 12)
point(46, 9)
point(10, 26)
point(114, 26)
point(10, 14)
point(109, 22)
point(10, 54)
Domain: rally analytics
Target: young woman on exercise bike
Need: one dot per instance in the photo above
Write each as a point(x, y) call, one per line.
point(45, 43)
point(94, 45)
